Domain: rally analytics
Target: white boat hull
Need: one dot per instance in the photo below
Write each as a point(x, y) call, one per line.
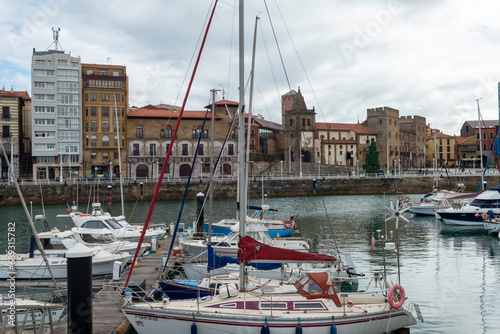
point(153, 320)
point(35, 268)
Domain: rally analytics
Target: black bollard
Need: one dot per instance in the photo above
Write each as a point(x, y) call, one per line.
point(79, 271)
point(200, 220)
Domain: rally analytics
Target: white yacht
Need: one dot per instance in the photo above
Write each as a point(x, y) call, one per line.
point(55, 243)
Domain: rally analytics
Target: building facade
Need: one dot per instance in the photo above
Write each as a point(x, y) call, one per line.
point(466, 152)
point(11, 107)
point(150, 130)
point(56, 115)
point(441, 151)
point(485, 138)
point(412, 140)
point(104, 119)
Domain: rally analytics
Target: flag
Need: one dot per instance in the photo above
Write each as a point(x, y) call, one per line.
point(373, 242)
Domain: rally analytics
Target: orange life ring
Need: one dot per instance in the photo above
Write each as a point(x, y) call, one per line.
point(288, 223)
point(400, 198)
point(396, 296)
point(407, 199)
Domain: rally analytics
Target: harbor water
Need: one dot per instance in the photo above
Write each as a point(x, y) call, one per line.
point(452, 273)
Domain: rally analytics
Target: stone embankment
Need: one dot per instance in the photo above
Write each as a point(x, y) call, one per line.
point(57, 193)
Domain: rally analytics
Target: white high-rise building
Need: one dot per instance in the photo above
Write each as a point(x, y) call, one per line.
point(56, 115)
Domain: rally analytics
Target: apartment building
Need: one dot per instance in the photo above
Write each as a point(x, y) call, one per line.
point(104, 119)
point(56, 115)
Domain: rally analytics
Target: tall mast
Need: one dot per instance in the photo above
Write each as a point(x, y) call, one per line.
point(115, 112)
point(241, 138)
point(480, 143)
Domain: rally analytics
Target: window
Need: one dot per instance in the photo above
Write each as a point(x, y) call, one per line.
point(484, 147)
point(135, 149)
point(166, 150)
point(105, 97)
point(168, 132)
point(484, 135)
point(105, 126)
point(44, 97)
point(230, 149)
point(117, 97)
point(93, 155)
point(162, 133)
point(5, 112)
point(115, 155)
point(291, 122)
point(464, 155)
point(303, 121)
point(102, 72)
point(105, 111)
point(139, 131)
point(105, 140)
point(93, 97)
point(93, 140)
point(5, 131)
point(194, 134)
point(152, 150)
point(116, 140)
point(116, 73)
point(62, 62)
point(93, 111)
point(39, 84)
point(491, 135)
point(90, 72)
point(105, 155)
point(200, 149)
point(86, 125)
point(45, 110)
point(184, 149)
point(253, 133)
point(93, 125)
point(308, 122)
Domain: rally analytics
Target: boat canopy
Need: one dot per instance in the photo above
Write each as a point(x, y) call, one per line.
point(317, 285)
point(250, 250)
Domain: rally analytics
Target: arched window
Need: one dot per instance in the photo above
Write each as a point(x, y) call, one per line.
point(141, 171)
point(291, 122)
point(93, 140)
point(308, 122)
point(105, 140)
point(116, 140)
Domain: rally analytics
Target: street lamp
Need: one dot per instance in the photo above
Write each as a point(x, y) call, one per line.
point(61, 171)
point(111, 171)
point(157, 172)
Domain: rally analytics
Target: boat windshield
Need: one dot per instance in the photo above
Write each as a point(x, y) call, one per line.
point(122, 222)
point(69, 242)
point(113, 223)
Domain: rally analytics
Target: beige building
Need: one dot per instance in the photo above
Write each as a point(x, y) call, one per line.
point(12, 105)
point(441, 151)
point(150, 130)
point(104, 89)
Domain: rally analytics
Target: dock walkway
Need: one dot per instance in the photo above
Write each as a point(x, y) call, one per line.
point(107, 315)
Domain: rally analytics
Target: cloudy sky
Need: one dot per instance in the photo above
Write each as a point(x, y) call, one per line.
point(427, 58)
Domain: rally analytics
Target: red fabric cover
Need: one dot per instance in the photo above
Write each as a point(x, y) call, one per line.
point(250, 250)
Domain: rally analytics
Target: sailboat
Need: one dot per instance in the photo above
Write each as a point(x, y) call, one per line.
point(310, 305)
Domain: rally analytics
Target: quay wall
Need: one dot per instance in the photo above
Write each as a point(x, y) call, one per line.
point(57, 193)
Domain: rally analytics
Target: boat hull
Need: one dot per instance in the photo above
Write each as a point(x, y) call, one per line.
point(184, 290)
point(462, 218)
point(153, 320)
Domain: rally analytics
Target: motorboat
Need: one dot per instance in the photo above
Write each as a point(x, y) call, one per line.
point(471, 214)
point(105, 239)
point(99, 219)
point(438, 199)
point(55, 243)
point(275, 228)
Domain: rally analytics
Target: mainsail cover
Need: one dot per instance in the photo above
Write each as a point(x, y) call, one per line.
point(250, 250)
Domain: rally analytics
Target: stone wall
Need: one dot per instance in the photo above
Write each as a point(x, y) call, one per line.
point(66, 193)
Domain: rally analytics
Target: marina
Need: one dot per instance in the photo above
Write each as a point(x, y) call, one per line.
point(451, 272)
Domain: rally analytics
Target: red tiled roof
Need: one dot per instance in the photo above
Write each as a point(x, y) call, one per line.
point(23, 94)
point(358, 128)
point(154, 112)
point(442, 135)
point(461, 140)
point(222, 103)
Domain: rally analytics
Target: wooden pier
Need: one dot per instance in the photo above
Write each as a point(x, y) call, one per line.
point(107, 316)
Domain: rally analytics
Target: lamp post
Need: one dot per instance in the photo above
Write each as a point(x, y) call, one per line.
point(394, 164)
point(399, 166)
point(281, 168)
point(111, 171)
point(60, 171)
point(96, 168)
point(157, 171)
